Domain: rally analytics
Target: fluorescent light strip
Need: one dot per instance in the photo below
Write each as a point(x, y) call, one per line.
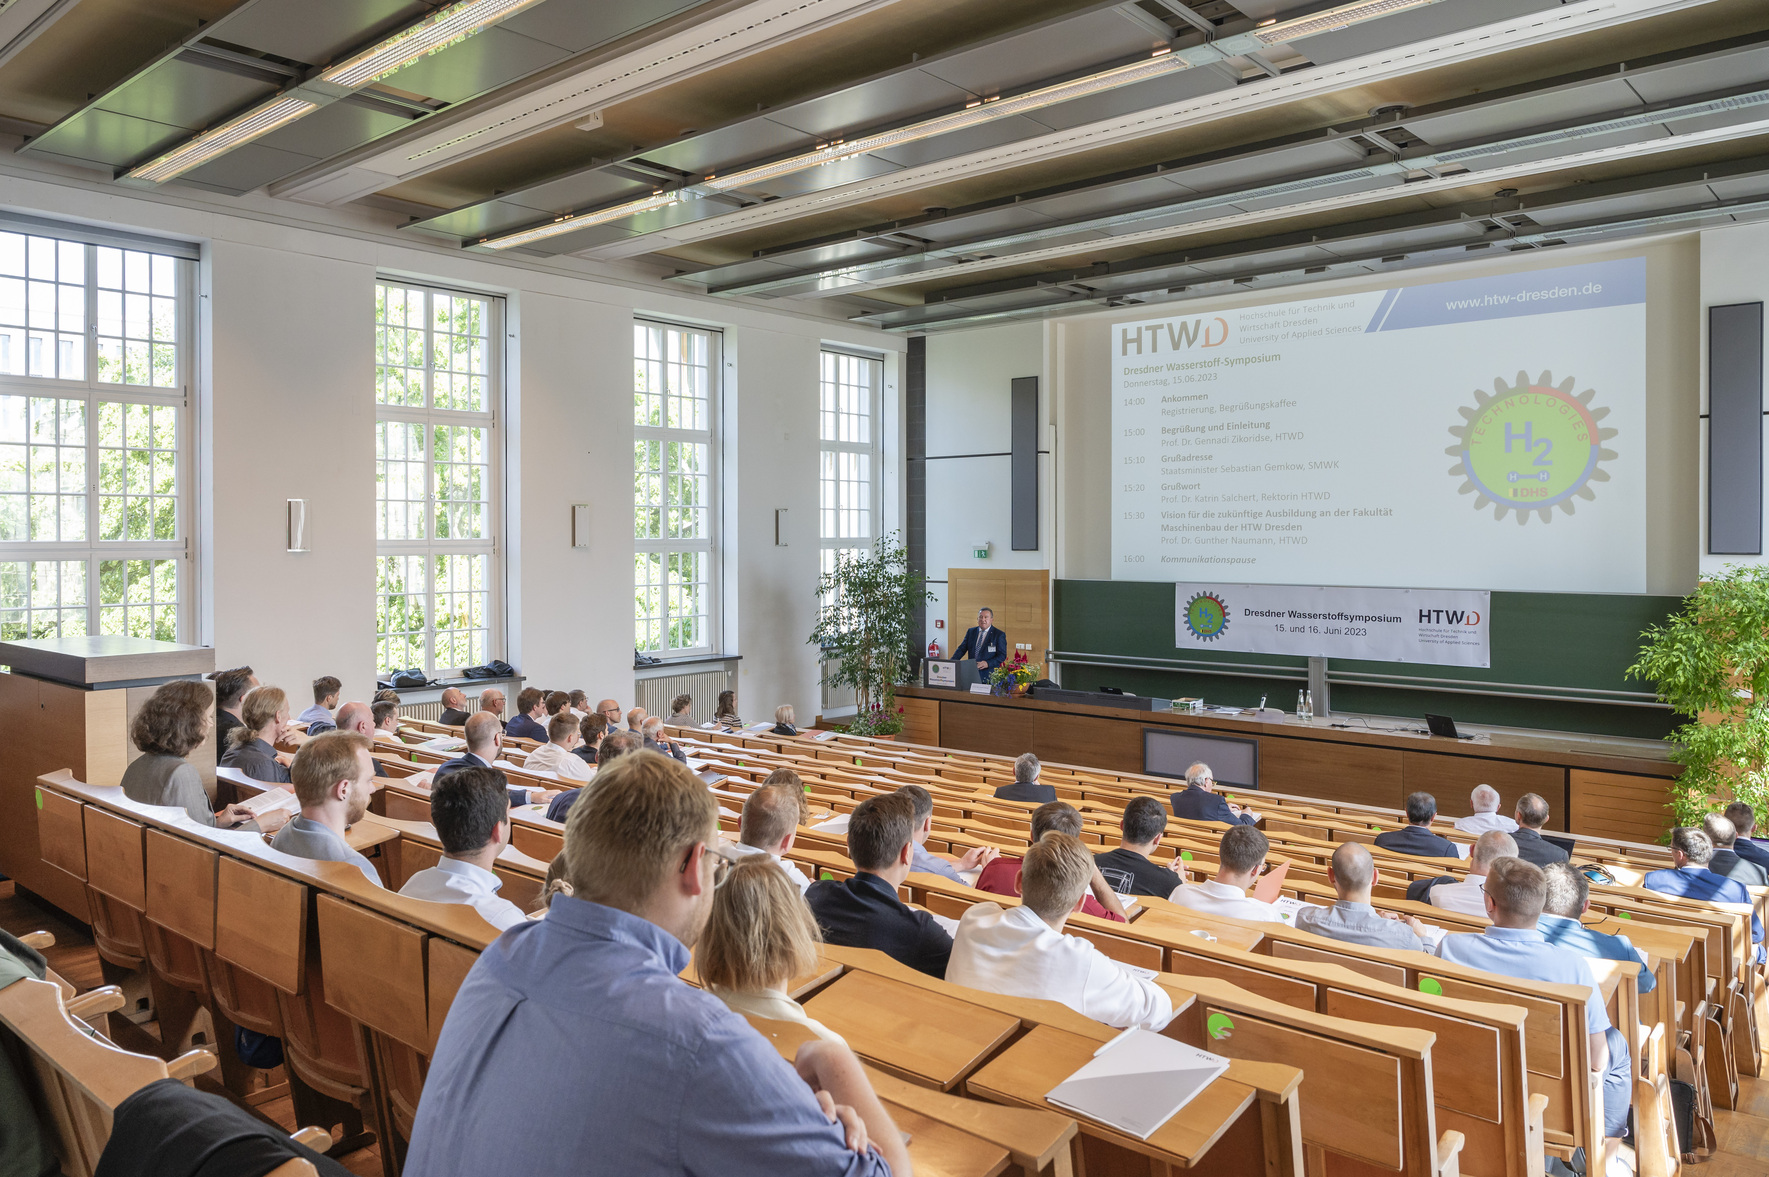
point(1332, 20)
point(219, 140)
point(427, 36)
point(970, 116)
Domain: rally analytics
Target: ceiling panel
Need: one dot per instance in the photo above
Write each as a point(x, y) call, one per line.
point(1075, 46)
point(317, 32)
point(816, 179)
point(1553, 109)
point(245, 168)
point(894, 99)
point(976, 138)
point(332, 129)
point(755, 139)
point(1718, 72)
point(1419, 24)
point(114, 140)
point(1108, 104)
point(482, 62)
point(576, 27)
point(184, 94)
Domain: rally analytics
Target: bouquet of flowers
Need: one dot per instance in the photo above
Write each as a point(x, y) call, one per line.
point(876, 720)
point(1014, 676)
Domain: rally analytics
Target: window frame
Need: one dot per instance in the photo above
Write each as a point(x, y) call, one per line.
point(91, 392)
point(428, 416)
point(873, 449)
point(712, 543)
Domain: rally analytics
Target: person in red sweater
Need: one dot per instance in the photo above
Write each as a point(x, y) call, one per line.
point(1002, 875)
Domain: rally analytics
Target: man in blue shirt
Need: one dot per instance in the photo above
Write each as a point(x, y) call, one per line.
point(1515, 947)
point(318, 717)
point(1690, 878)
point(1569, 897)
point(932, 864)
point(574, 1048)
point(1744, 820)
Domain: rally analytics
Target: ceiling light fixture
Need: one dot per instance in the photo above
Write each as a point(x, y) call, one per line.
point(975, 113)
point(435, 32)
point(1331, 21)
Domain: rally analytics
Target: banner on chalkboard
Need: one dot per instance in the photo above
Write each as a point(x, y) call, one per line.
point(1441, 627)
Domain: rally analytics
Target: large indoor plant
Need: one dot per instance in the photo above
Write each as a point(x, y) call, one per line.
point(864, 621)
point(1710, 662)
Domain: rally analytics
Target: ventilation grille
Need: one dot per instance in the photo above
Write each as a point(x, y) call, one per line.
point(702, 686)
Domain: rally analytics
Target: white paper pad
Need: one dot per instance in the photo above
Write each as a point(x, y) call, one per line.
point(1138, 1081)
point(271, 800)
point(835, 825)
point(443, 744)
point(1288, 907)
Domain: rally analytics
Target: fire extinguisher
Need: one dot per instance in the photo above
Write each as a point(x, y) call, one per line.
point(933, 648)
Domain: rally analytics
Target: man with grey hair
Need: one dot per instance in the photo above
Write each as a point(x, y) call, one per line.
point(658, 742)
point(1469, 896)
point(1025, 785)
point(1532, 815)
point(1690, 878)
point(1353, 918)
point(1513, 946)
point(1486, 816)
point(1198, 800)
point(1726, 860)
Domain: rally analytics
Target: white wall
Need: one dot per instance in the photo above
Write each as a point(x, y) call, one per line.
point(284, 407)
point(1734, 268)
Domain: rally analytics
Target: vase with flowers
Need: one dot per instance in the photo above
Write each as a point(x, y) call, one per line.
point(1015, 676)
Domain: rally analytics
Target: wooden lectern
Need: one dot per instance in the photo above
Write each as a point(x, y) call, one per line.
point(68, 703)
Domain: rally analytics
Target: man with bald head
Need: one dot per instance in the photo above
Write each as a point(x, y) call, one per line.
point(609, 709)
point(636, 721)
point(491, 702)
point(454, 707)
point(359, 718)
point(1353, 919)
point(485, 735)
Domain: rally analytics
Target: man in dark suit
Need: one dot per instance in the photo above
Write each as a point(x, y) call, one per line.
point(864, 911)
point(1025, 785)
point(531, 707)
point(485, 735)
point(1198, 800)
point(983, 642)
point(1532, 815)
point(1744, 820)
point(454, 708)
point(1726, 861)
point(1416, 837)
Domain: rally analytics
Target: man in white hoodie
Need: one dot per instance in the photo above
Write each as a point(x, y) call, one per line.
point(1022, 951)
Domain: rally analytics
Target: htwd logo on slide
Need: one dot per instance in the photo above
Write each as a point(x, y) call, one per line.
point(1176, 334)
point(1530, 446)
point(1206, 616)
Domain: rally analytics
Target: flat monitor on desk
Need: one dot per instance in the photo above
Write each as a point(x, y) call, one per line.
point(1168, 752)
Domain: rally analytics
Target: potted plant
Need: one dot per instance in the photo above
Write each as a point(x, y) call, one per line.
point(867, 613)
point(1710, 662)
point(1017, 676)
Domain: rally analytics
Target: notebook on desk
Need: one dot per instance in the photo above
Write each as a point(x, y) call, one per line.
point(1138, 1081)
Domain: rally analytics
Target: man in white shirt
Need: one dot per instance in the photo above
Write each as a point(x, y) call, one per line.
point(1241, 856)
point(769, 824)
point(555, 756)
point(1469, 896)
point(387, 723)
point(1022, 951)
point(1487, 817)
point(471, 812)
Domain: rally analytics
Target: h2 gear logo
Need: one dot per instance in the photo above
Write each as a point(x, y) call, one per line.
point(1530, 446)
point(1206, 616)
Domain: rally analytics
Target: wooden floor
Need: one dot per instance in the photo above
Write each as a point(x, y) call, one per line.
point(74, 957)
point(1743, 1134)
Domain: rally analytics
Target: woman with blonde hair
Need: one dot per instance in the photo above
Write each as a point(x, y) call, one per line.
point(264, 719)
point(759, 937)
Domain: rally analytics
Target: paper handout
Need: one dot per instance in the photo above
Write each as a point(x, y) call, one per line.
point(1138, 1081)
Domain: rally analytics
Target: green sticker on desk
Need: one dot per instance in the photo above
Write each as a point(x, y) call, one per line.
point(1620, 915)
point(39, 798)
point(1185, 855)
point(1220, 1026)
point(827, 876)
point(1431, 985)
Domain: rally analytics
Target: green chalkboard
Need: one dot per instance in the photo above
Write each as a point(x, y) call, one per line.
point(1574, 646)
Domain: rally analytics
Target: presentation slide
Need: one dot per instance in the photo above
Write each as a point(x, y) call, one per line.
point(1481, 434)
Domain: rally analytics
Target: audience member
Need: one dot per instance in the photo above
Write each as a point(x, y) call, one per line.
point(173, 722)
point(1022, 950)
point(1025, 786)
point(649, 1075)
point(1198, 801)
point(491, 702)
point(1744, 820)
point(1353, 919)
point(614, 745)
point(558, 702)
point(334, 779)
point(761, 935)
point(1130, 869)
point(1532, 815)
point(725, 714)
point(1726, 860)
point(555, 884)
point(1415, 837)
point(531, 709)
point(681, 708)
point(264, 720)
point(318, 717)
point(580, 704)
point(230, 692)
point(609, 709)
point(471, 813)
point(1001, 875)
point(454, 707)
point(386, 716)
point(1514, 947)
point(926, 863)
point(636, 721)
point(784, 720)
point(1486, 816)
point(1690, 877)
point(555, 756)
point(360, 718)
point(1239, 858)
point(769, 824)
point(658, 742)
point(485, 735)
point(1569, 897)
point(1469, 895)
point(386, 695)
point(864, 911)
point(590, 730)
point(792, 782)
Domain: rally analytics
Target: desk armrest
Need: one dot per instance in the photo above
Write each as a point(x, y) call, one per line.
point(1449, 1155)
